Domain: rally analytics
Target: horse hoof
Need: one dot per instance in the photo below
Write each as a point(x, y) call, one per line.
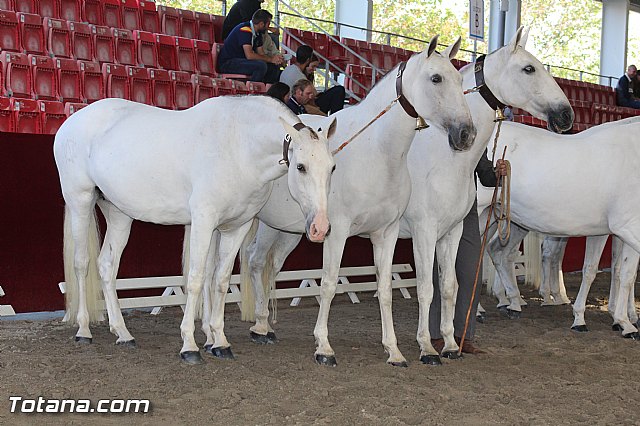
point(84, 340)
point(504, 308)
point(580, 328)
point(513, 314)
point(403, 364)
point(633, 336)
point(328, 360)
point(262, 339)
point(616, 327)
point(191, 357)
point(129, 344)
point(222, 353)
point(451, 355)
point(431, 359)
point(481, 318)
point(207, 348)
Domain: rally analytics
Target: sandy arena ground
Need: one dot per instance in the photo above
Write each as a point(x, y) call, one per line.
point(536, 371)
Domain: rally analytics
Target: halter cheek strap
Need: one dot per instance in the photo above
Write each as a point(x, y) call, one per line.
point(483, 89)
point(287, 141)
point(406, 105)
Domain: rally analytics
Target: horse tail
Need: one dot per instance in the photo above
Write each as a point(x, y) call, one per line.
point(92, 288)
point(533, 259)
point(248, 297)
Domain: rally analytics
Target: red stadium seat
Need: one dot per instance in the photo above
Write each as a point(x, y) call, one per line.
point(7, 122)
point(256, 87)
point(167, 52)
point(92, 80)
point(92, 12)
point(6, 5)
point(205, 29)
point(51, 116)
point(9, 31)
point(217, 22)
point(224, 87)
point(112, 13)
point(188, 23)
point(81, 40)
point(390, 57)
point(204, 58)
point(116, 81)
point(241, 88)
point(31, 33)
point(125, 46)
point(146, 48)
point(162, 88)
point(26, 116)
point(48, 9)
point(131, 15)
point(45, 83)
point(215, 50)
point(70, 10)
point(377, 55)
point(103, 44)
point(150, 21)
point(182, 89)
point(186, 54)
point(71, 108)
point(353, 45)
point(361, 74)
point(169, 20)
point(140, 85)
point(69, 80)
point(18, 80)
point(25, 6)
point(58, 38)
point(364, 50)
point(203, 87)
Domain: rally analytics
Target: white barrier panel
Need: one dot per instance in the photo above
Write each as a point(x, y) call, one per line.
point(5, 310)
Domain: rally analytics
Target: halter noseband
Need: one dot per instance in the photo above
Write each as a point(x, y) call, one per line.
point(287, 141)
point(483, 89)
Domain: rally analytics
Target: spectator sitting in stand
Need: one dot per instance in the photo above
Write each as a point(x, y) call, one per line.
point(302, 93)
point(624, 89)
point(332, 99)
point(279, 91)
point(240, 12)
point(243, 51)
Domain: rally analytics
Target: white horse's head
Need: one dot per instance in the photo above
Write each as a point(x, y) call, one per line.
point(309, 175)
point(434, 87)
point(518, 79)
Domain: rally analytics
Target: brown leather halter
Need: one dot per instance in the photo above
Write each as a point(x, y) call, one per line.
point(483, 89)
point(287, 141)
point(406, 105)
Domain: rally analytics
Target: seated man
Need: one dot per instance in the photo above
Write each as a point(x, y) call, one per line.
point(243, 52)
point(302, 93)
point(332, 99)
point(624, 89)
point(240, 12)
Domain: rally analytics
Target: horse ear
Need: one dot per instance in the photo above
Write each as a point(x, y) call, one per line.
point(432, 45)
point(524, 37)
point(452, 50)
point(515, 41)
point(332, 128)
point(289, 129)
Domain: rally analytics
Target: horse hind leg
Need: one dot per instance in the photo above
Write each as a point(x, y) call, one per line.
point(589, 270)
point(384, 242)
point(628, 271)
point(116, 237)
point(207, 290)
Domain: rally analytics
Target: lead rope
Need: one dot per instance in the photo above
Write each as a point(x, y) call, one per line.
point(505, 216)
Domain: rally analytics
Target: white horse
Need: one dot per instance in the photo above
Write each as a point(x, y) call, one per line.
point(210, 166)
point(370, 188)
point(562, 185)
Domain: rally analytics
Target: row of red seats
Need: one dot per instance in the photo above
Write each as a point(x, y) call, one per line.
point(64, 39)
point(68, 80)
point(126, 14)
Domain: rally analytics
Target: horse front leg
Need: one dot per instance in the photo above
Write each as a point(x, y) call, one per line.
point(592, 254)
point(447, 252)
point(118, 230)
point(384, 242)
point(331, 257)
point(228, 247)
point(424, 247)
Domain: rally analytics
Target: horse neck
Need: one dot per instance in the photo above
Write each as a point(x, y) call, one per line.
point(395, 130)
point(482, 116)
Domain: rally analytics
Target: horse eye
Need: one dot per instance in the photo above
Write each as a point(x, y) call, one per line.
point(301, 168)
point(436, 78)
point(529, 69)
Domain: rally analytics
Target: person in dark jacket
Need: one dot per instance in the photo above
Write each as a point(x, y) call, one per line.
point(302, 93)
point(240, 12)
point(466, 263)
point(624, 89)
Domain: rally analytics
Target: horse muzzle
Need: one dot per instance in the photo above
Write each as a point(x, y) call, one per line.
point(560, 119)
point(461, 137)
point(318, 227)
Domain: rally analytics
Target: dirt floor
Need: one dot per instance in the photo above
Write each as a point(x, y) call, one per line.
point(536, 371)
